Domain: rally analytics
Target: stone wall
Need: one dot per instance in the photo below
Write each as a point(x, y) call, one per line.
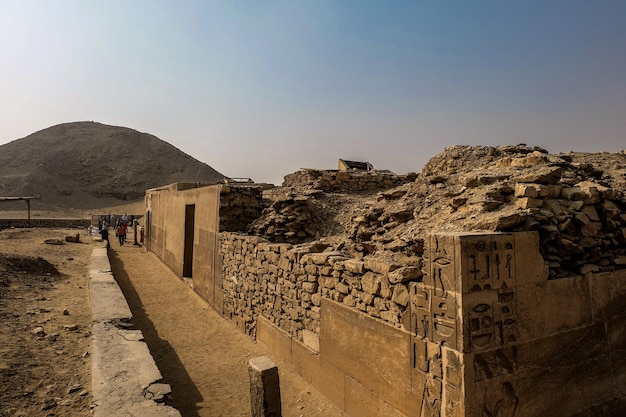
point(45, 223)
point(240, 205)
point(291, 219)
point(582, 224)
point(474, 323)
point(285, 283)
point(448, 325)
point(346, 181)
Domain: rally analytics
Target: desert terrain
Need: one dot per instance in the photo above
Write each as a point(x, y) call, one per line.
point(45, 320)
point(45, 367)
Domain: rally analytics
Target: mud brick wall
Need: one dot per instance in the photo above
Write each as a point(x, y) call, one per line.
point(285, 284)
point(346, 181)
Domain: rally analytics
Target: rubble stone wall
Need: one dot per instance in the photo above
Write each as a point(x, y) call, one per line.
point(346, 181)
point(582, 224)
point(285, 284)
point(240, 205)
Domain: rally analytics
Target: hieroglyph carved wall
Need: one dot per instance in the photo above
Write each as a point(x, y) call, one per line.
point(492, 336)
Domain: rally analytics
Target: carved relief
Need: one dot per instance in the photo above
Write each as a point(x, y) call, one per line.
point(433, 384)
point(420, 355)
point(419, 302)
point(453, 384)
point(440, 285)
point(499, 362)
point(505, 406)
point(489, 262)
point(489, 265)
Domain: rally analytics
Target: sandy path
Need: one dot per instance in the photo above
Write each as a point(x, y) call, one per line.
point(202, 355)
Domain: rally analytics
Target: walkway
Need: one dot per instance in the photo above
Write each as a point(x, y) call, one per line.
point(201, 355)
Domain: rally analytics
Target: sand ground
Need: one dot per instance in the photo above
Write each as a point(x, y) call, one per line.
point(202, 355)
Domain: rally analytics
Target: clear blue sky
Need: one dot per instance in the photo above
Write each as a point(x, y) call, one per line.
point(262, 88)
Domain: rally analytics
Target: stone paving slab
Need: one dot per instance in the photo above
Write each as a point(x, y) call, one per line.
point(125, 379)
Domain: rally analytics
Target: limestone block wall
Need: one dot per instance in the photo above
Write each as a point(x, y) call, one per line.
point(469, 325)
point(479, 330)
point(346, 181)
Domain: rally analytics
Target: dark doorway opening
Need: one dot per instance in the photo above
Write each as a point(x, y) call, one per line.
point(190, 214)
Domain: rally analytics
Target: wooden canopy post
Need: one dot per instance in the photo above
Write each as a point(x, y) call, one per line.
point(28, 204)
point(27, 199)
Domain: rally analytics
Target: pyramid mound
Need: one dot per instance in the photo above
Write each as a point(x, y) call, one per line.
point(84, 165)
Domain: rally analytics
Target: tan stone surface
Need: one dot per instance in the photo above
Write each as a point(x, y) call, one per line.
point(369, 351)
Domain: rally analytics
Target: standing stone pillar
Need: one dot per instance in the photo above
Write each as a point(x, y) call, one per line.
point(264, 388)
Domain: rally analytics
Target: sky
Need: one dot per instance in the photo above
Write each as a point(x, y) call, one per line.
point(260, 89)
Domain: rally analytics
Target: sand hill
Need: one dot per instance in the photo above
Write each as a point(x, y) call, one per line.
point(84, 165)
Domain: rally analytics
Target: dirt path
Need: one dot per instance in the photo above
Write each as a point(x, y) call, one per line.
point(202, 355)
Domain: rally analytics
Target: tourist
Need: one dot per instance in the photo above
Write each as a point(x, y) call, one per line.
point(121, 232)
point(105, 235)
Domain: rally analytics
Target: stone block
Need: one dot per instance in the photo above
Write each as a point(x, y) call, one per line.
point(553, 306)
point(264, 388)
point(591, 229)
point(404, 274)
point(551, 191)
point(342, 288)
point(310, 287)
point(609, 294)
point(371, 352)
point(616, 334)
point(370, 283)
point(355, 266)
point(277, 340)
point(324, 258)
point(400, 295)
point(359, 401)
point(534, 373)
point(529, 264)
point(525, 190)
point(311, 340)
point(591, 213)
point(547, 175)
point(328, 282)
point(527, 202)
point(379, 264)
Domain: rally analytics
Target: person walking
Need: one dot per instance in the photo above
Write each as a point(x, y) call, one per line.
point(105, 235)
point(121, 232)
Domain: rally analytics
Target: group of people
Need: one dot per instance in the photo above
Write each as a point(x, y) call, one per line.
point(121, 227)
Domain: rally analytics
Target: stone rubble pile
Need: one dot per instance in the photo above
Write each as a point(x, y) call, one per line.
point(346, 181)
point(576, 202)
point(292, 219)
point(239, 206)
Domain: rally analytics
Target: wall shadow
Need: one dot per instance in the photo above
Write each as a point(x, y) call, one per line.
point(185, 395)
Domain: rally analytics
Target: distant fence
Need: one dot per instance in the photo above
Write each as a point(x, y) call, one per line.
point(45, 223)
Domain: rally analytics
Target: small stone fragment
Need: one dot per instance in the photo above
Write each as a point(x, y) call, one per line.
point(38, 331)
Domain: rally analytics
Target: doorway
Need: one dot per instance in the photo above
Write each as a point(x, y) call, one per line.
point(190, 214)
